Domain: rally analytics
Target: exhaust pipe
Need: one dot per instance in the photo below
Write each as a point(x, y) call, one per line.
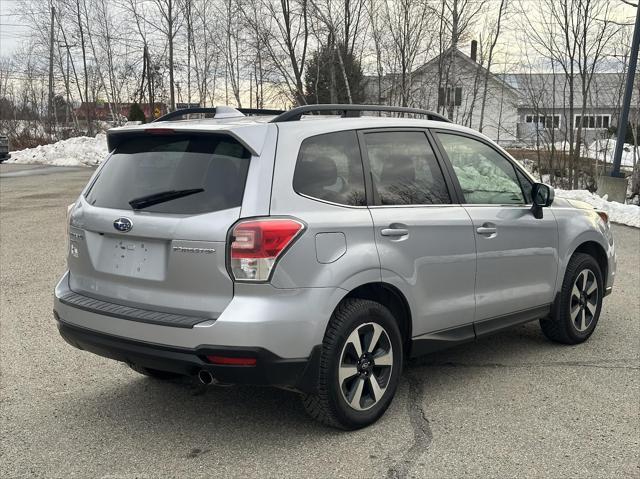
point(205, 377)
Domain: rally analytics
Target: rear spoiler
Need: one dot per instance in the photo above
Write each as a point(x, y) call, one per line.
point(251, 136)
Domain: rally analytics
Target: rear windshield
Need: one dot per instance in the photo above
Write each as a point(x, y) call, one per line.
point(151, 165)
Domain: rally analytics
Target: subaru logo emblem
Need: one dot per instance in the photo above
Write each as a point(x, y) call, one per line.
point(123, 224)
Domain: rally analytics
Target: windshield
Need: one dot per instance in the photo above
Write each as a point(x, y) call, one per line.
point(211, 168)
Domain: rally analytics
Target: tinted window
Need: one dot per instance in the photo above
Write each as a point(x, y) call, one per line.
point(329, 168)
point(404, 169)
point(486, 177)
point(147, 165)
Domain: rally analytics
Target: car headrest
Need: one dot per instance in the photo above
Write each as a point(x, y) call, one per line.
point(317, 172)
point(398, 169)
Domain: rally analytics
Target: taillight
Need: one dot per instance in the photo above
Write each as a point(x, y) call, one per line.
point(256, 246)
point(69, 210)
point(604, 216)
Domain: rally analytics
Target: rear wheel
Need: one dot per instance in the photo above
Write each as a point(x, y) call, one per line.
point(155, 373)
point(360, 366)
point(575, 315)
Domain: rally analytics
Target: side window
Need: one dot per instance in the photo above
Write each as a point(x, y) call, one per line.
point(404, 169)
point(329, 168)
point(486, 177)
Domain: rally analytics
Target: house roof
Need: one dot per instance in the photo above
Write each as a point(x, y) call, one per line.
point(538, 90)
point(388, 78)
point(467, 60)
point(551, 90)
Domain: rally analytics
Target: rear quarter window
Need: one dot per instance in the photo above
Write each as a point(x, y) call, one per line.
point(146, 165)
point(329, 168)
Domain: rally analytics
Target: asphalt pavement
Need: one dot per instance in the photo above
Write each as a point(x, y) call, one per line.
point(512, 405)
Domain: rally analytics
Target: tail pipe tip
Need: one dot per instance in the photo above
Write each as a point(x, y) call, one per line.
point(205, 377)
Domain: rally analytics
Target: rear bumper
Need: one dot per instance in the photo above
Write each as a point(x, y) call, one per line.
point(286, 322)
point(269, 370)
point(279, 328)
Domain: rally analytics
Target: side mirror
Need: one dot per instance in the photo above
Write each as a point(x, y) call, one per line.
point(542, 196)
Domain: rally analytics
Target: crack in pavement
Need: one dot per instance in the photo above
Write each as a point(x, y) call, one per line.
point(422, 435)
point(452, 364)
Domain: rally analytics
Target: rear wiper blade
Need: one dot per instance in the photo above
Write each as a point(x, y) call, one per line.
point(162, 197)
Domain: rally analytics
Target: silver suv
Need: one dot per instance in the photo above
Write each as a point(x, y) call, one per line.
point(319, 252)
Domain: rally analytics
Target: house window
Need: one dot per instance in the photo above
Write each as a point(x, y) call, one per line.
point(544, 121)
point(592, 121)
point(450, 96)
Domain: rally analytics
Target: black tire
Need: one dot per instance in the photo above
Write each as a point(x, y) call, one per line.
point(329, 405)
point(155, 373)
point(559, 325)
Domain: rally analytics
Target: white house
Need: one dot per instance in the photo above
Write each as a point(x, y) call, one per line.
point(519, 109)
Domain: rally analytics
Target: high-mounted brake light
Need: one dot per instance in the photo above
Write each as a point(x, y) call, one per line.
point(159, 131)
point(256, 246)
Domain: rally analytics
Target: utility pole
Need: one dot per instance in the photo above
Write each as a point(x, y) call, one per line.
point(149, 84)
point(626, 103)
point(50, 111)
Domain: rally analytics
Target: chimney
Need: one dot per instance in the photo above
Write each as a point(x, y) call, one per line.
point(474, 50)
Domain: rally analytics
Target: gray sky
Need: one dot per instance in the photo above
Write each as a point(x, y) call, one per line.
point(12, 29)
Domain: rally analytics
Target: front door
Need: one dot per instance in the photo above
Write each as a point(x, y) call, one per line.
point(425, 241)
point(517, 254)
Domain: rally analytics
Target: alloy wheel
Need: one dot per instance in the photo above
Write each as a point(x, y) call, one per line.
point(583, 302)
point(366, 364)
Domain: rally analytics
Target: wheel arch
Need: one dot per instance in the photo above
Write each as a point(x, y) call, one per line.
point(392, 298)
point(597, 252)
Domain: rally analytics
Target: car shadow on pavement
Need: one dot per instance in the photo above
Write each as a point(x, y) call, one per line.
point(182, 420)
point(167, 405)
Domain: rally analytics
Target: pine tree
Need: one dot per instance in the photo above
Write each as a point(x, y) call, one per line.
point(136, 113)
point(324, 81)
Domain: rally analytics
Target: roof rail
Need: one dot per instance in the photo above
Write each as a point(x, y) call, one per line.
point(351, 111)
point(218, 112)
point(259, 111)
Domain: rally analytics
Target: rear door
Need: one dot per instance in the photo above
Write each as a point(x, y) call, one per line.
point(425, 240)
point(150, 231)
point(517, 253)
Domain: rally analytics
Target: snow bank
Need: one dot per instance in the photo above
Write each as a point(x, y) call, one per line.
point(604, 150)
point(618, 213)
point(79, 151)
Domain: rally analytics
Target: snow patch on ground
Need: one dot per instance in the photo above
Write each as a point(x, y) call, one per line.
point(604, 150)
point(78, 151)
point(618, 213)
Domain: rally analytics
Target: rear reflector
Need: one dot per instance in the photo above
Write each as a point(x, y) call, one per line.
point(257, 244)
point(229, 361)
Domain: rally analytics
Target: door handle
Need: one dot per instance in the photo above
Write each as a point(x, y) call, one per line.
point(394, 232)
point(486, 230)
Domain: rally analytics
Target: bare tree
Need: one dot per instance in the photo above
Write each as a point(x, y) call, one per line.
point(455, 19)
point(284, 31)
point(494, 35)
point(408, 41)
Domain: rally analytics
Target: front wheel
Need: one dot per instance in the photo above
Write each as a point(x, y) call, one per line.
point(360, 366)
point(575, 315)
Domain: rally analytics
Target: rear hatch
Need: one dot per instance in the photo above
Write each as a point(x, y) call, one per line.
point(150, 230)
